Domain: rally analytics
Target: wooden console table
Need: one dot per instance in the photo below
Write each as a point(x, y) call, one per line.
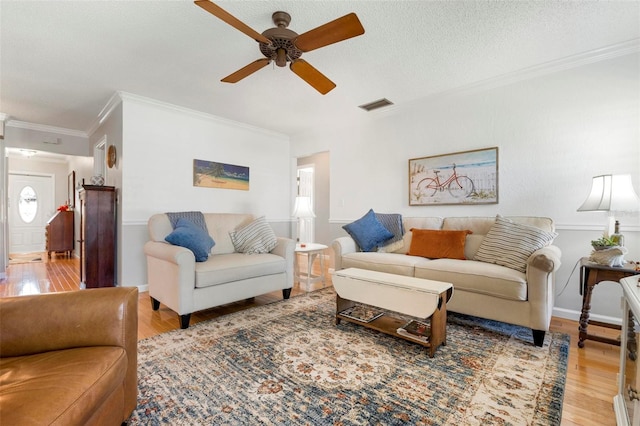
point(590, 275)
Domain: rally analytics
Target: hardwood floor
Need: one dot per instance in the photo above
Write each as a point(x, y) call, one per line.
point(591, 374)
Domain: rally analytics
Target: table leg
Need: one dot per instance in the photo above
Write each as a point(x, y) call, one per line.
point(586, 307)
point(322, 275)
point(310, 256)
point(296, 267)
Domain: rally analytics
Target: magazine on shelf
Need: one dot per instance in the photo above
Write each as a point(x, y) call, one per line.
point(415, 330)
point(361, 313)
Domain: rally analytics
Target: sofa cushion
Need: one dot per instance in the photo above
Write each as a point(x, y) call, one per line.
point(393, 263)
point(419, 223)
point(476, 277)
point(224, 268)
point(510, 244)
point(197, 218)
point(255, 237)
point(65, 386)
point(189, 235)
point(219, 226)
point(368, 232)
point(437, 244)
point(393, 223)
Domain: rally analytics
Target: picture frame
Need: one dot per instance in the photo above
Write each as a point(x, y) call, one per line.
point(71, 190)
point(465, 177)
point(210, 174)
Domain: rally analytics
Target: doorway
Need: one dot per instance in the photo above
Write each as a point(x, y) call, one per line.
point(30, 206)
point(305, 178)
point(314, 182)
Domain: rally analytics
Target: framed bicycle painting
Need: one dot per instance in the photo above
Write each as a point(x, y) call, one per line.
point(467, 177)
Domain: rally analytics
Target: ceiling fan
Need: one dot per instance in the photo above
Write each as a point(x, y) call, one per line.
point(282, 45)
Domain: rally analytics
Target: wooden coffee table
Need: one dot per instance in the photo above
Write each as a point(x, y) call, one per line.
point(416, 297)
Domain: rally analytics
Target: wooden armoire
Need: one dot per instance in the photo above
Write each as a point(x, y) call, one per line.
point(59, 233)
point(97, 236)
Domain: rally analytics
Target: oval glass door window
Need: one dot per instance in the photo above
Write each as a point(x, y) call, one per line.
point(28, 204)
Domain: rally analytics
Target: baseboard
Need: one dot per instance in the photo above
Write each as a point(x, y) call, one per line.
point(575, 316)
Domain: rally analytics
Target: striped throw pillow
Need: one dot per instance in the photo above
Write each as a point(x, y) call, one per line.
point(510, 244)
point(256, 237)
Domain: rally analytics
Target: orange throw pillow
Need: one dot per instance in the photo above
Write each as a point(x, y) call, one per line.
point(438, 244)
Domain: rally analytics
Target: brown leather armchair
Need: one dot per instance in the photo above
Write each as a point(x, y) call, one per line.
point(69, 358)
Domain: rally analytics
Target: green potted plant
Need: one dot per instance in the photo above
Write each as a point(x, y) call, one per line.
point(604, 243)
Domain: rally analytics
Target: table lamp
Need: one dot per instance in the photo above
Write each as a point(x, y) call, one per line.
point(611, 193)
point(303, 211)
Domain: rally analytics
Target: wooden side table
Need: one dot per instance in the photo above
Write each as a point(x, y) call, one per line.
point(312, 250)
point(590, 275)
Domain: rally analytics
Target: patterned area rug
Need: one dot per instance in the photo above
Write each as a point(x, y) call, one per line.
point(287, 363)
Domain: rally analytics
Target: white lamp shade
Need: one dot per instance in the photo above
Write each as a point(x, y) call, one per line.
point(302, 208)
point(611, 193)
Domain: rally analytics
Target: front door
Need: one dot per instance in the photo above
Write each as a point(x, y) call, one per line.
point(30, 207)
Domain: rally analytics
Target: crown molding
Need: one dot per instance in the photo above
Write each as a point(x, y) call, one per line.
point(551, 67)
point(120, 96)
point(105, 113)
point(46, 128)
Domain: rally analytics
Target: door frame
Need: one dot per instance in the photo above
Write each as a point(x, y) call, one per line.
point(53, 199)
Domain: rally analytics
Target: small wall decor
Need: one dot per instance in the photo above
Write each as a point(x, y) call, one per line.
point(111, 156)
point(219, 175)
point(467, 177)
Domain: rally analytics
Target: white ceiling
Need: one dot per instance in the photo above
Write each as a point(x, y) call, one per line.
point(61, 61)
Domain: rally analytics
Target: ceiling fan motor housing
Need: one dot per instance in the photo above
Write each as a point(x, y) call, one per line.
point(282, 49)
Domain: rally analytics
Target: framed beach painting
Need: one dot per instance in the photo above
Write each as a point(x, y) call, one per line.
point(468, 177)
point(220, 175)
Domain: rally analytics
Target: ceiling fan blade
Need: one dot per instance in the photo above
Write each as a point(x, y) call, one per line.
point(246, 71)
point(332, 32)
point(315, 78)
point(219, 12)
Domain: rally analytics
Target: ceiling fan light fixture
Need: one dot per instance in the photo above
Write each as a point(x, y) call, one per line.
point(281, 57)
point(380, 103)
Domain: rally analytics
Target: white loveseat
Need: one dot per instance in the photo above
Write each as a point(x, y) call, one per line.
point(185, 286)
point(481, 289)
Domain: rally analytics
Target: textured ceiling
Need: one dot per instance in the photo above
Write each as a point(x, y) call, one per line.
point(61, 61)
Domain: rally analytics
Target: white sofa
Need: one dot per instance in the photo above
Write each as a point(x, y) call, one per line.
point(481, 289)
point(185, 286)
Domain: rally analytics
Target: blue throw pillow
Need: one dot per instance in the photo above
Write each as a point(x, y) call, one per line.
point(368, 232)
point(189, 235)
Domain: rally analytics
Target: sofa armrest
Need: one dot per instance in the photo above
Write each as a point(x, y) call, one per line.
point(171, 275)
point(286, 248)
point(541, 268)
point(546, 259)
point(169, 253)
point(83, 318)
point(54, 321)
point(342, 246)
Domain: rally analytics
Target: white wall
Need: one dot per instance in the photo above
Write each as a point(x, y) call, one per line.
point(160, 142)
point(554, 132)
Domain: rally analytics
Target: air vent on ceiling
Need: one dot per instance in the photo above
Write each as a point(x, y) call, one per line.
point(376, 104)
point(51, 141)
